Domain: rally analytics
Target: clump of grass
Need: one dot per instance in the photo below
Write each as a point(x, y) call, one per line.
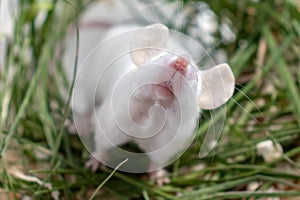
point(264, 57)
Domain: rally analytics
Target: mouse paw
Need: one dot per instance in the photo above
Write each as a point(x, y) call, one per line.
point(160, 177)
point(93, 164)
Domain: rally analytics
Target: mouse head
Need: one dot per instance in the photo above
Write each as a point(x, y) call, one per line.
point(214, 86)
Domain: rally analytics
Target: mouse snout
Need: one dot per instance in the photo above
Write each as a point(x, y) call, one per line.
point(180, 64)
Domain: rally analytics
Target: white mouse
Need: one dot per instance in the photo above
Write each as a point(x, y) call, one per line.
point(149, 95)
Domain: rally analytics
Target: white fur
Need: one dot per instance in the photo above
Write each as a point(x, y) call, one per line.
point(122, 115)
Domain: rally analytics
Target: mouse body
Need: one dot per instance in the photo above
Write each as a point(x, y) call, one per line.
point(131, 86)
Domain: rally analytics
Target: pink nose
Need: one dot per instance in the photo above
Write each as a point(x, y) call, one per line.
point(180, 65)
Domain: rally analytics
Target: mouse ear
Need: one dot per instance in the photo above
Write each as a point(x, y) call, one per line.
point(217, 86)
point(148, 43)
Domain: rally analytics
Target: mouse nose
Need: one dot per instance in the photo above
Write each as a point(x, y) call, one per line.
point(180, 65)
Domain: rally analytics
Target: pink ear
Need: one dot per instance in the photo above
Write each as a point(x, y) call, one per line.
point(217, 86)
point(148, 43)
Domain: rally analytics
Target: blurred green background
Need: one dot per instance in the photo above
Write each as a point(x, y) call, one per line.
point(262, 43)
